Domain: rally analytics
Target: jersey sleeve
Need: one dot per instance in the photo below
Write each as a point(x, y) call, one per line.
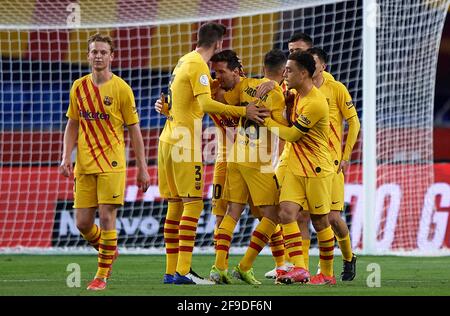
point(233, 96)
point(199, 77)
point(128, 106)
point(344, 102)
point(310, 115)
point(73, 111)
point(275, 102)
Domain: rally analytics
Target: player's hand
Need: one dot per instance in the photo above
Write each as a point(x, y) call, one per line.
point(343, 166)
point(265, 88)
point(255, 113)
point(161, 106)
point(65, 168)
point(143, 179)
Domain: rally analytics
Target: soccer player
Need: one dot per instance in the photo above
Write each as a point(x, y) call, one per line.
point(341, 107)
point(307, 179)
point(249, 175)
point(100, 104)
point(180, 168)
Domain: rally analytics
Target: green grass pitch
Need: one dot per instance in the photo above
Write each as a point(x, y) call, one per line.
point(139, 275)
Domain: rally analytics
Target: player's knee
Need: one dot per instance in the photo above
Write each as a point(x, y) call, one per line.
point(334, 219)
point(84, 225)
point(286, 216)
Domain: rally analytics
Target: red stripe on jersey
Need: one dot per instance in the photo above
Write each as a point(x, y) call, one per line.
point(215, 119)
point(332, 146)
point(309, 148)
point(306, 157)
point(335, 133)
point(300, 160)
point(100, 103)
point(297, 148)
point(90, 126)
point(83, 127)
point(99, 124)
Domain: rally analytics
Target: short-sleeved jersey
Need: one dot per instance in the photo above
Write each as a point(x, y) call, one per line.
point(101, 113)
point(190, 78)
point(327, 75)
point(310, 155)
point(341, 107)
point(253, 148)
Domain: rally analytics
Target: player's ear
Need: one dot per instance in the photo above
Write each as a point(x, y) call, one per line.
point(112, 56)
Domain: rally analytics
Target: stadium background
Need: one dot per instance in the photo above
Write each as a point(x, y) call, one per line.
point(35, 201)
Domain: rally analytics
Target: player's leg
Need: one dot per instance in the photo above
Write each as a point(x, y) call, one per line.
point(85, 205)
point(318, 192)
point(303, 220)
point(236, 193)
point(340, 228)
point(189, 183)
point(168, 191)
point(219, 204)
point(264, 192)
point(292, 200)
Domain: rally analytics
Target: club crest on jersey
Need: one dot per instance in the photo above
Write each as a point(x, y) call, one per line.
point(204, 80)
point(107, 100)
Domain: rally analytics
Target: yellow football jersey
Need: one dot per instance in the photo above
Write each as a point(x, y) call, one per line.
point(341, 107)
point(310, 155)
point(101, 113)
point(252, 146)
point(327, 75)
point(190, 78)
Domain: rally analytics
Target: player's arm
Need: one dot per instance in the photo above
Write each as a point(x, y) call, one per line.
point(70, 140)
point(131, 119)
point(252, 112)
point(161, 106)
point(310, 115)
point(348, 111)
point(70, 134)
point(143, 178)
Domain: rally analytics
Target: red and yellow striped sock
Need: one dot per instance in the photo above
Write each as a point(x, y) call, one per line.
point(346, 247)
point(293, 239)
point(326, 250)
point(277, 246)
point(187, 232)
point(93, 236)
point(106, 250)
point(216, 232)
point(174, 211)
point(259, 239)
point(305, 249)
point(224, 236)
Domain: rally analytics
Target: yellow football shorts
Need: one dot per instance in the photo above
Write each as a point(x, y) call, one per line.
point(178, 178)
point(245, 182)
point(90, 190)
point(337, 192)
point(219, 204)
point(312, 194)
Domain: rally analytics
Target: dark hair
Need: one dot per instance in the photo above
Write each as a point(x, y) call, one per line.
point(209, 33)
point(301, 37)
point(230, 57)
point(319, 52)
point(274, 60)
point(97, 37)
point(304, 60)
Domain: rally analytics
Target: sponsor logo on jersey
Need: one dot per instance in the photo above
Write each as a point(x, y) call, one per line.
point(87, 115)
point(304, 119)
